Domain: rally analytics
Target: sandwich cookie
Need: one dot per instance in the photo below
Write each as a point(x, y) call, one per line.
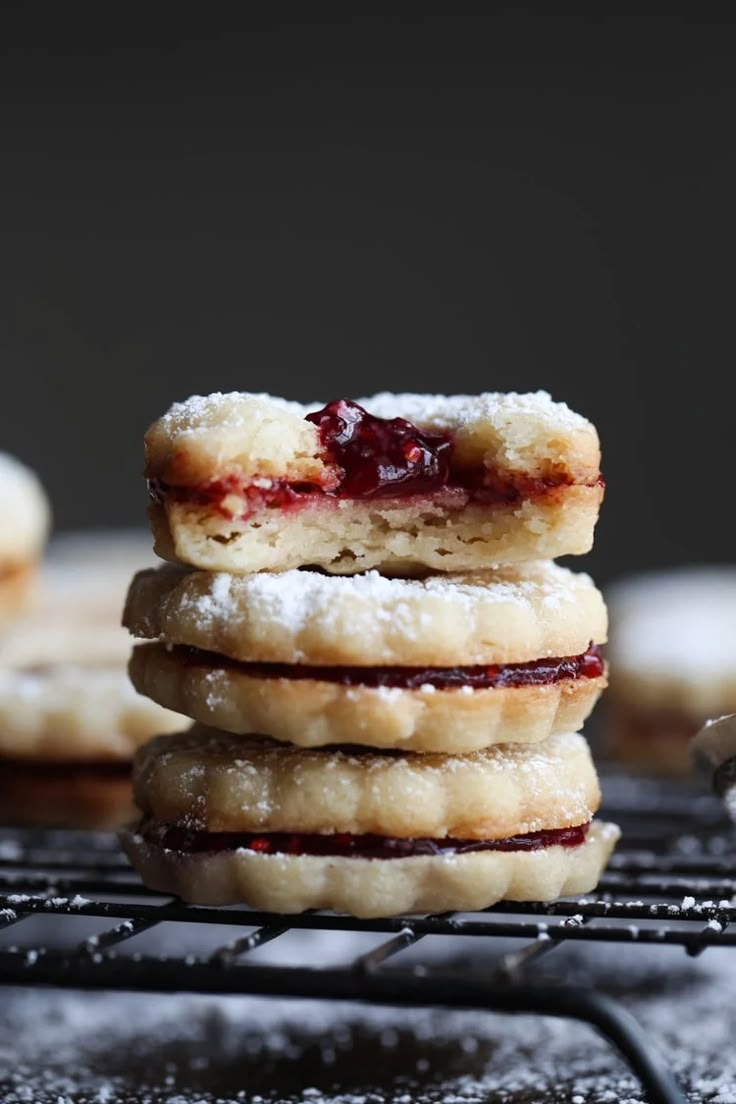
point(234, 819)
point(70, 722)
point(64, 691)
point(448, 663)
point(673, 657)
point(245, 482)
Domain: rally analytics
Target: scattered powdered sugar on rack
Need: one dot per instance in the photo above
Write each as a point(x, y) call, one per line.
point(62, 1047)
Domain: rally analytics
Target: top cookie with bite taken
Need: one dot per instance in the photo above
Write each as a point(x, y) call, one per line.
point(403, 483)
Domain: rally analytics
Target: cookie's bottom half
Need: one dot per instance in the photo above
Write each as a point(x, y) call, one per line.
point(373, 887)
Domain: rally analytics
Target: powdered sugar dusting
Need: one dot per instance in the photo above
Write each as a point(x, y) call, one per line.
point(199, 1050)
point(295, 599)
point(451, 411)
point(213, 605)
point(202, 411)
point(430, 411)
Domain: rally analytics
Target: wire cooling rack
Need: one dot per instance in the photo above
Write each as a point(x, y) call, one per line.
point(673, 881)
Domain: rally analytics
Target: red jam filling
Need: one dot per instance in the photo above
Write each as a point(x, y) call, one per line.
point(381, 456)
point(339, 845)
point(538, 672)
point(374, 458)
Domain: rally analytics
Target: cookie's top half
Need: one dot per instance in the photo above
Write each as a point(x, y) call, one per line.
point(512, 615)
point(210, 780)
point(251, 435)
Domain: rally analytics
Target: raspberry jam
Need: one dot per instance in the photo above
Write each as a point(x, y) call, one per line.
point(275, 494)
point(371, 458)
point(538, 672)
point(380, 456)
point(339, 845)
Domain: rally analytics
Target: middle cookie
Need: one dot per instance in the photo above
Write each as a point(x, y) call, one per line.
point(445, 664)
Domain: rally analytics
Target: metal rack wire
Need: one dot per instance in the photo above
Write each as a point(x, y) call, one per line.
point(672, 883)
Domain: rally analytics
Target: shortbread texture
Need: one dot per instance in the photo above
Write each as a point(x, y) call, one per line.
point(217, 782)
point(252, 439)
point(513, 615)
point(374, 887)
point(346, 537)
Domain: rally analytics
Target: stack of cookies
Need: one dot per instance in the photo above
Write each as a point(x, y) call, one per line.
point(387, 670)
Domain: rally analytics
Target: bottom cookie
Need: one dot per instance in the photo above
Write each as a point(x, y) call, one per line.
point(371, 887)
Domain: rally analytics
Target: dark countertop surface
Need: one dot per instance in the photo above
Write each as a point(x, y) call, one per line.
point(57, 1047)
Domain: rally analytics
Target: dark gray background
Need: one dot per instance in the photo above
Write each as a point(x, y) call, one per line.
point(327, 206)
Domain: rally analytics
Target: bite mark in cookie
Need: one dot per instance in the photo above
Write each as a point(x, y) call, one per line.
point(366, 457)
point(370, 474)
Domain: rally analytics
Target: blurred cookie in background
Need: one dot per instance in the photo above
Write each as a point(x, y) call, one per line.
point(24, 524)
point(70, 721)
point(77, 608)
point(65, 795)
point(672, 650)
